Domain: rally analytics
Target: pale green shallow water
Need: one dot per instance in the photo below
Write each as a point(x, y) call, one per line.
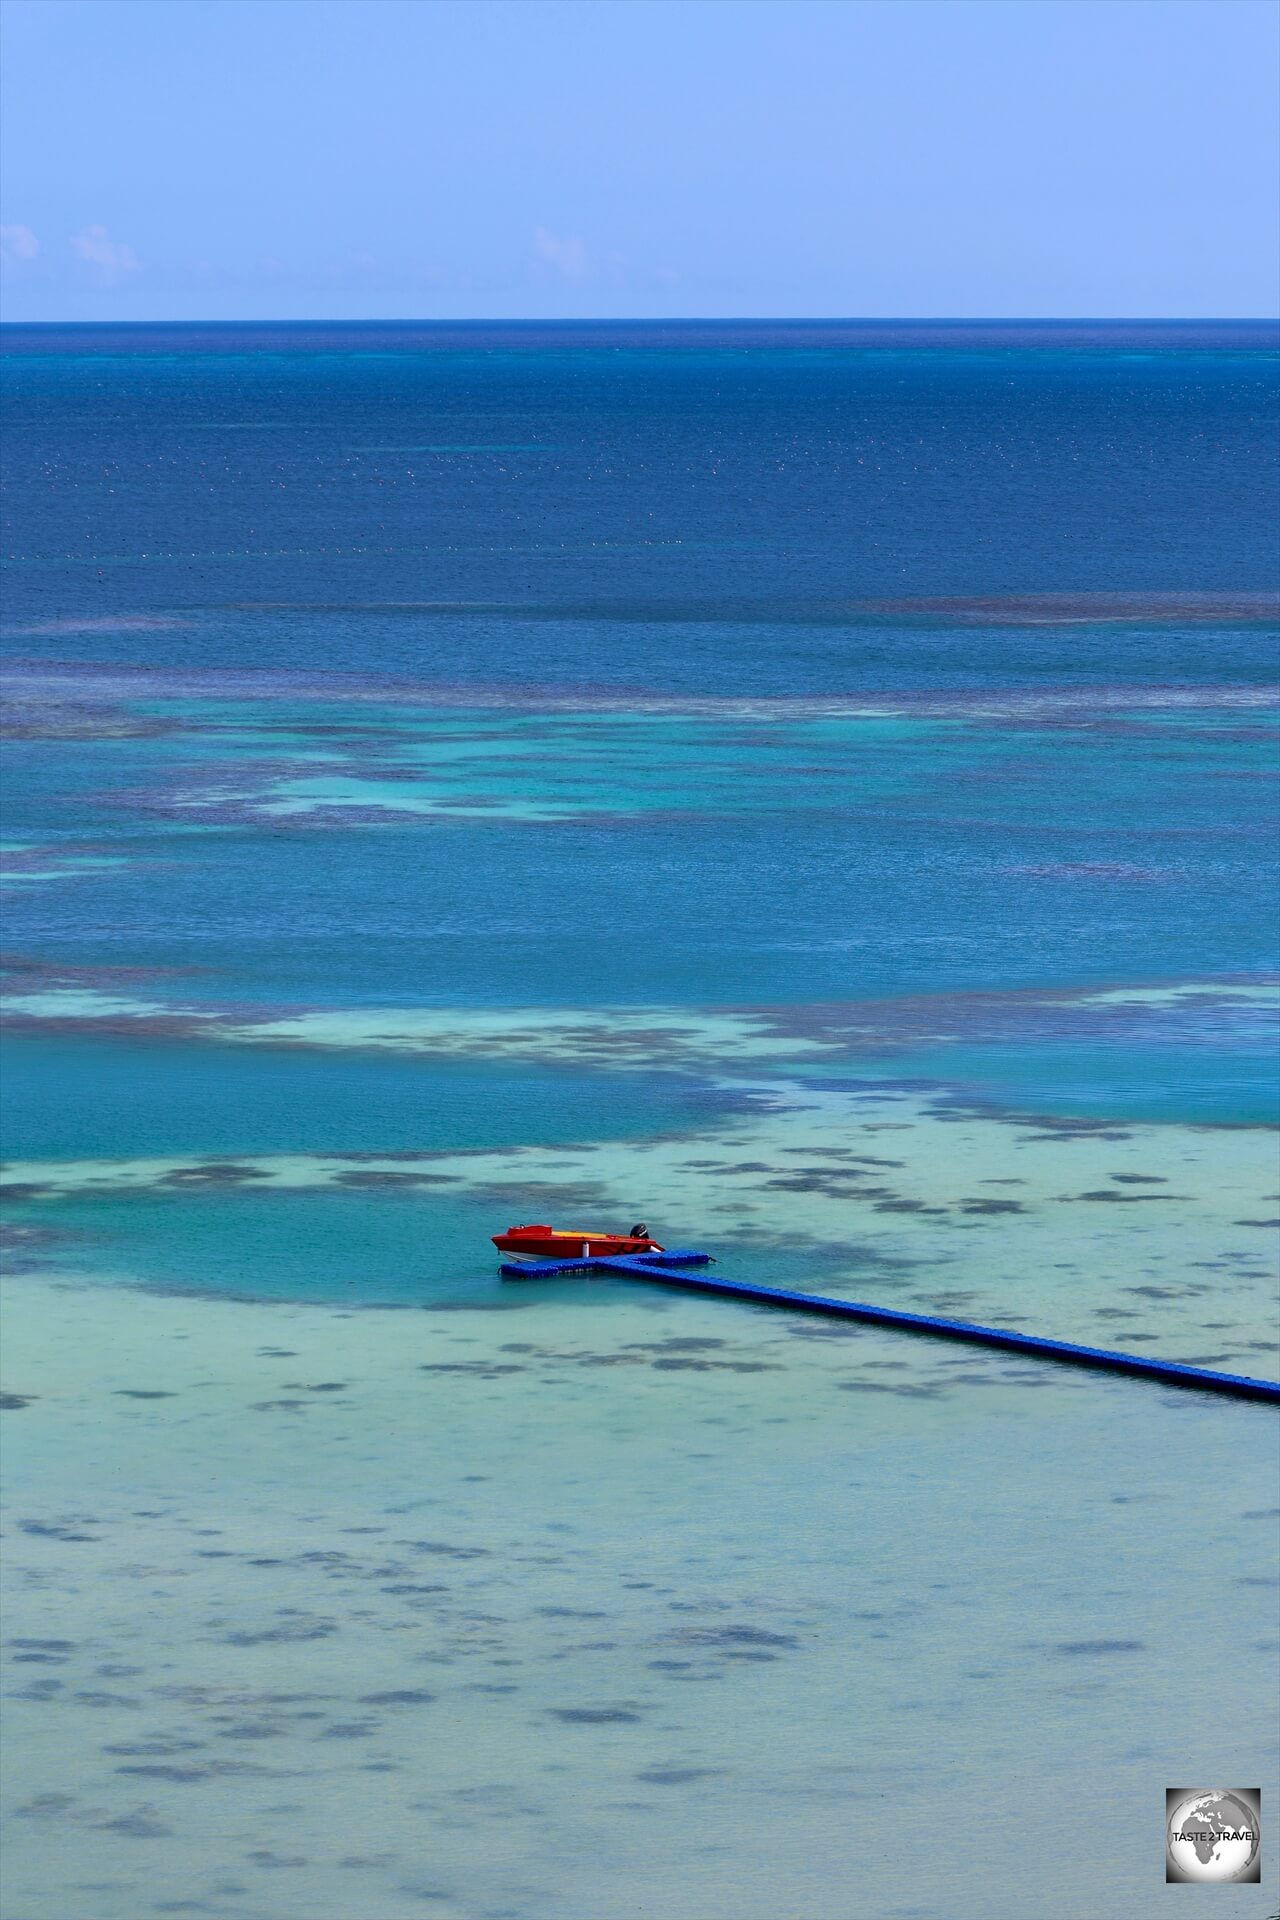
point(495, 1606)
point(553, 1613)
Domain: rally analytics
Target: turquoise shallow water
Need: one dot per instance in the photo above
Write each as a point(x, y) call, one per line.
point(815, 794)
point(1233, 1085)
point(167, 1097)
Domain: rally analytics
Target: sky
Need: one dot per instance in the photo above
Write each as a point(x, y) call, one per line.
point(347, 159)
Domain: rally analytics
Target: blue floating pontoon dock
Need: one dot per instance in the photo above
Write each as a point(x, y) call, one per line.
point(668, 1269)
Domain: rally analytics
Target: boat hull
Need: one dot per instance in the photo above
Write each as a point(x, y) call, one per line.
point(550, 1243)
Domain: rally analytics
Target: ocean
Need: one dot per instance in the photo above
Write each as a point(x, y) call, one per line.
point(808, 786)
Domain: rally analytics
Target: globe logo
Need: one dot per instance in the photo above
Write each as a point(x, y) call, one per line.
point(1212, 1834)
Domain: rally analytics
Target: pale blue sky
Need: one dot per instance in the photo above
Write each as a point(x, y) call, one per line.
point(184, 159)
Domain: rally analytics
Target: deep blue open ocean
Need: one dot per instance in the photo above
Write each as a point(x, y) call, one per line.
point(811, 786)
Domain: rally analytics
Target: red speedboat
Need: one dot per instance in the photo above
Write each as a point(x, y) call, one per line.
point(562, 1243)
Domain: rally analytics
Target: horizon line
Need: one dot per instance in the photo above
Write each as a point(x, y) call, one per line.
point(661, 320)
point(714, 317)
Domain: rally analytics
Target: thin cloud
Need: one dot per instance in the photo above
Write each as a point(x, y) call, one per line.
point(564, 252)
point(112, 258)
point(17, 243)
